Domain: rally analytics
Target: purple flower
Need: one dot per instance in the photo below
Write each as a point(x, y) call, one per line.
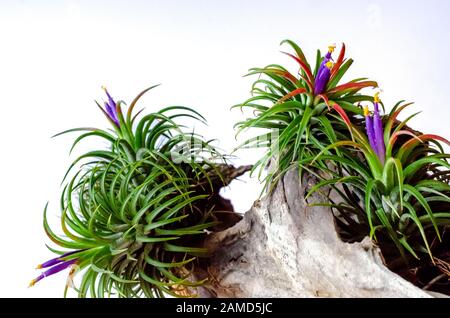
point(324, 72)
point(328, 57)
point(374, 128)
point(53, 270)
point(378, 130)
point(56, 260)
point(56, 265)
point(369, 128)
point(111, 108)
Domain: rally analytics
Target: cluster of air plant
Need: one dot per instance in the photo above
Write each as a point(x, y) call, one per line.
point(134, 213)
point(392, 182)
point(400, 190)
point(300, 108)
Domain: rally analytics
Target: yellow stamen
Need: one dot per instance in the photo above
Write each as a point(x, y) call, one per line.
point(329, 64)
point(39, 266)
point(376, 97)
point(32, 283)
point(366, 111)
point(104, 88)
point(331, 48)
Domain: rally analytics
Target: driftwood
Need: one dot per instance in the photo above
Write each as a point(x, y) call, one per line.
point(284, 248)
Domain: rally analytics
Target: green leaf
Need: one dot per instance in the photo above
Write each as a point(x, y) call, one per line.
point(413, 191)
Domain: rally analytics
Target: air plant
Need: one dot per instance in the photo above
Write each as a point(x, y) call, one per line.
point(392, 183)
point(398, 191)
point(299, 108)
point(133, 215)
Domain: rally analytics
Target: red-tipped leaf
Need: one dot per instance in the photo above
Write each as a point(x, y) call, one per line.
point(343, 115)
point(352, 86)
point(304, 67)
point(339, 61)
point(292, 94)
point(408, 146)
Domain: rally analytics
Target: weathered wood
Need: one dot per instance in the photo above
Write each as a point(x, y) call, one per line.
point(284, 248)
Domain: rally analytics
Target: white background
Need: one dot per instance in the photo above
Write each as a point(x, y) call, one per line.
point(55, 55)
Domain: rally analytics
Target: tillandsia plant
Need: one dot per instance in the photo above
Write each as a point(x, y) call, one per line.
point(300, 107)
point(134, 214)
point(391, 182)
point(395, 186)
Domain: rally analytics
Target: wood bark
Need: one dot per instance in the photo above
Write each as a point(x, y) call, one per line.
point(285, 248)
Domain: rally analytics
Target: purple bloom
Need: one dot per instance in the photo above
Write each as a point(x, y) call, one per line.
point(378, 130)
point(324, 72)
point(328, 55)
point(369, 128)
point(53, 270)
point(374, 128)
point(56, 260)
point(322, 78)
point(111, 108)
